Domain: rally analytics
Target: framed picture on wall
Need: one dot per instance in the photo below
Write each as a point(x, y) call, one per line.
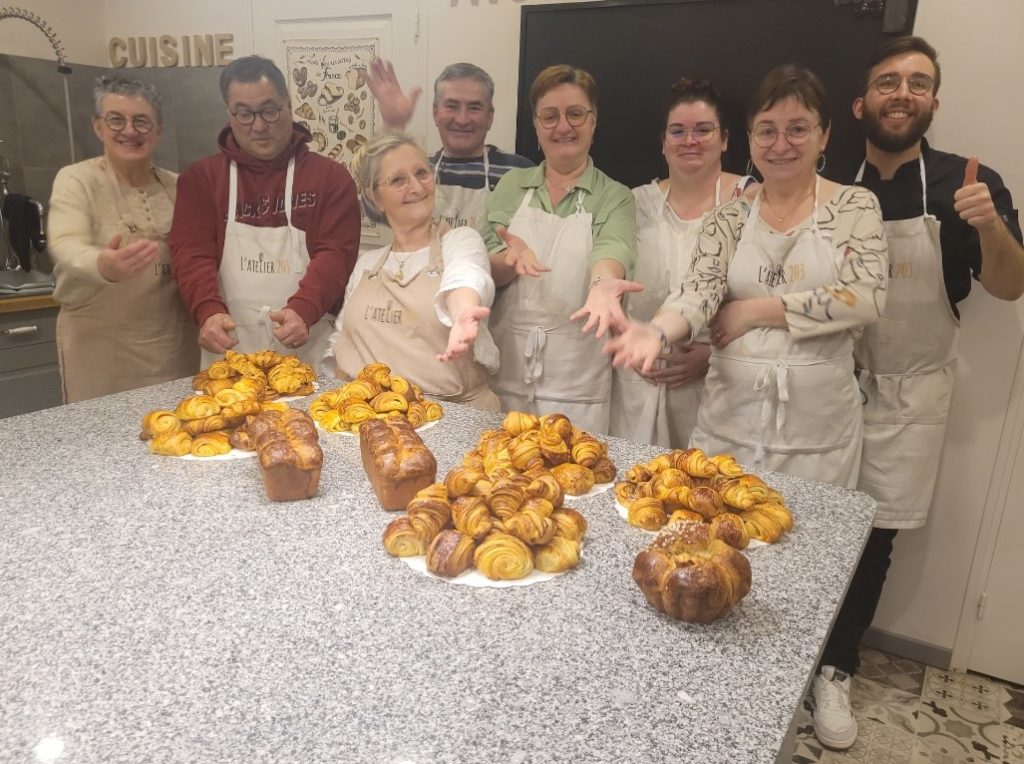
point(327, 82)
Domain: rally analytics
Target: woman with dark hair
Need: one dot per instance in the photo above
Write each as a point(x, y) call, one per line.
point(661, 406)
point(785, 278)
point(561, 236)
point(122, 323)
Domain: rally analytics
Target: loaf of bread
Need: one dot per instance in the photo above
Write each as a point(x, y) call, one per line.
point(289, 453)
point(395, 460)
point(689, 575)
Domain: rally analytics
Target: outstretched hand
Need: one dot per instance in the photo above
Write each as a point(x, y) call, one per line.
point(395, 106)
point(637, 346)
point(464, 331)
point(519, 255)
point(603, 307)
point(117, 263)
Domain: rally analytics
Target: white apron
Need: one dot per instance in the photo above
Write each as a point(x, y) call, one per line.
point(773, 401)
point(548, 364)
point(260, 270)
point(640, 411)
point(458, 206)
point(906, 364)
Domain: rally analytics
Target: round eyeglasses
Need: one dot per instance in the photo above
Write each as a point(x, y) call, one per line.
point(796, 135)
point(574, 115)
point(918, 84)
point(701, 132)
point(422, 174)
point(118, 122)
point(268, 114)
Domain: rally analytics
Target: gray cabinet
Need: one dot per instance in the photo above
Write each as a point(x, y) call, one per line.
point(29, 374)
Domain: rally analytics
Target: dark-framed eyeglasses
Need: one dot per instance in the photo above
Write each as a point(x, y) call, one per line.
point(422, 174)
point(796, 135)
point(268, 114)
point(917, 83)
point(118, 122)
point(701, 132)
point(574, 115)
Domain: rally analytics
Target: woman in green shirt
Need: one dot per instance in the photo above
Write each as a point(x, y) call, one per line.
point(561, 238)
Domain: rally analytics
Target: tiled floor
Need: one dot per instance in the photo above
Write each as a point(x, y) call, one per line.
point(910, 713)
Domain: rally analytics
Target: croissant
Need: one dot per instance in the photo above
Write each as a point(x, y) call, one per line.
point(506, 498)
point(401, 539)
point(542, 507)
point(524, 451)
point(230, 395)
point(648, 514)
point(273, 406)
point(254, 388)
point(219, 370)
point(762, 526)
point(530, 525)
point(236, 412)
point(661, 462)
point(558, 555)
point(730, 529)
point(727, 465)
point(706, 501)
point(429, 515)
point(242, 440)
point(472, 517)
point(159, 422)
point(265, 359)
point(559, 423)
point(569, 523)
point(552, 446)
point(215, 386)
point(625, 492)
point(575, 479)
point(416, 414)
point(400, 385)
point(777, 512)
point(433, 491)
point(639, 473)
point(757, 487)
point(545, 486)
point(733, 492)
point(668, 479)
point(321, 406)
point(356, 412)
point(518, 422)
point(460, 480)
point(379, 373)
point(501, 556)
point(450, 553)
point(588, 450)
point(171, 444)
point(211, 444)
point(361, 389)
point(604, 471)
point(200, 379)
point(695, 462)
point(197, 407)
point(434, 411)
point(685, 515)
point(195, 427)
point(674, 498)
point(387, 401)
point(332, 421)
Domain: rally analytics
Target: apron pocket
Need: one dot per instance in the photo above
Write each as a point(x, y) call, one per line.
point(901, 398)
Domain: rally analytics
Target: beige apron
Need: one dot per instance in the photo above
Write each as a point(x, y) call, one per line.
point(260, 270)
point(640, 411)
point(395, 323)
point(907, 362)
point(775, 402)
point(458, 206)
point(548, 364)
point(135, 332)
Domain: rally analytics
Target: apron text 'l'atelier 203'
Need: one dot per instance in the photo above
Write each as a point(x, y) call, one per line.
point(260, 270)
point(547, 364)
point(907, 362)
point(776, 402)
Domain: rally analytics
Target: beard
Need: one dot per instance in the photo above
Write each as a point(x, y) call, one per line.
point(893, 142)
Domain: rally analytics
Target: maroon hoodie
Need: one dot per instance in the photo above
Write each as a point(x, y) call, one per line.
point(324, 205)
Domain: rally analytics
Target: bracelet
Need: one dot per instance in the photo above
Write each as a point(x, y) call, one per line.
point(661, 333)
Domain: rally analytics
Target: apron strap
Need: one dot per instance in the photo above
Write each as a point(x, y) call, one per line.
point(289, 183)
point(232, 193)
point(773, 382)
point(533, 355)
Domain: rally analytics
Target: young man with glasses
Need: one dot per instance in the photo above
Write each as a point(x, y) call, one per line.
point(946, 219)
point(266, 232)
point(466, 168)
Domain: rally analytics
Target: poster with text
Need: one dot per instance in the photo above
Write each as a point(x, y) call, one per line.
point(327, 82)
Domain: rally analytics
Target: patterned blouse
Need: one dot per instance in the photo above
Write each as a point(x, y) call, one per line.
point(851, 219)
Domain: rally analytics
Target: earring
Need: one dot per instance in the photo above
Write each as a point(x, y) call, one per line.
point(821, 163)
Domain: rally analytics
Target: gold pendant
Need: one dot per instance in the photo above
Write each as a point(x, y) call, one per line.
point(400, 274)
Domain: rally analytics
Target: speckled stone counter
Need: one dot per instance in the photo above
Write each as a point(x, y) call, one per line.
point(155, 609)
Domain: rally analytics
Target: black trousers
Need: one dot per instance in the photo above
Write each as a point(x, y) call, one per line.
point(858, 609)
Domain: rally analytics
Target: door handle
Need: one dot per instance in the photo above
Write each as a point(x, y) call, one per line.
point(19, 330)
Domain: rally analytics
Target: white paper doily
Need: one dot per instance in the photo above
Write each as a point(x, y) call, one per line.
point(474, 577)
point(234, 453)
point(624, 514)
point(598, 488)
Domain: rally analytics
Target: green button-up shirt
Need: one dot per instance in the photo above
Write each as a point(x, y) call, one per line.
point(610, 202)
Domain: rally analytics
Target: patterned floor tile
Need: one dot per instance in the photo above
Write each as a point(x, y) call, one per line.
point(977, 697)
point(1013, 744)
point(957, 733)
point(901, 673)
point(877, 742)
point(887, 705)
point(1015, 707)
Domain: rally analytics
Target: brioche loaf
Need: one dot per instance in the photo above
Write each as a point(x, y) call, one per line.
point(395, 460)
point(289, 454)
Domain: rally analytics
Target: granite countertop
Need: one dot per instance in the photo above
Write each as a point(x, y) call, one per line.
point(155, 609)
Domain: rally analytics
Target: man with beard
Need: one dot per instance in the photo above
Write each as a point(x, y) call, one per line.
point(466, 168)
point(947, 218)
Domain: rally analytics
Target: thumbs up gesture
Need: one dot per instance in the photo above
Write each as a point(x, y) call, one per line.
point(972, 200)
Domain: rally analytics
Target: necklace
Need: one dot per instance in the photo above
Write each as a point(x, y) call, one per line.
point(776, 215)
point(400, 273)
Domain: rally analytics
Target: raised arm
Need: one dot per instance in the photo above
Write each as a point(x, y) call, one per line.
point(396, 108)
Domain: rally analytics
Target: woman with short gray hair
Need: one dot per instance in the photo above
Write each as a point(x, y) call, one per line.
point(122, 323)
point(420, 304)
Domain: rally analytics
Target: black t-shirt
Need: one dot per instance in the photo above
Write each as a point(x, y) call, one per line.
point(961, 248)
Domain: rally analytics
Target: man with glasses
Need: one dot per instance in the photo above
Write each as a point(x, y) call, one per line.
point(266, 232)
point(466, 168)
point(946, 219)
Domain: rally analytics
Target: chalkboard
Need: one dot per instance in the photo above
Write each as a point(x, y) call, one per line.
point(637, 49)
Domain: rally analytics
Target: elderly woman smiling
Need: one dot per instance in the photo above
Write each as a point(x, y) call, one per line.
point(419, 304)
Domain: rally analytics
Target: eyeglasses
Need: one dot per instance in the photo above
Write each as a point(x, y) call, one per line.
point(796, 135)
point(918, 84)
point(423, 175)
point(268, 114)
point(700, 132)
point(574, 115)
point(118, 122)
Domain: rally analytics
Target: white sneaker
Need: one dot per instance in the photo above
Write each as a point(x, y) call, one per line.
point(834, 725)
